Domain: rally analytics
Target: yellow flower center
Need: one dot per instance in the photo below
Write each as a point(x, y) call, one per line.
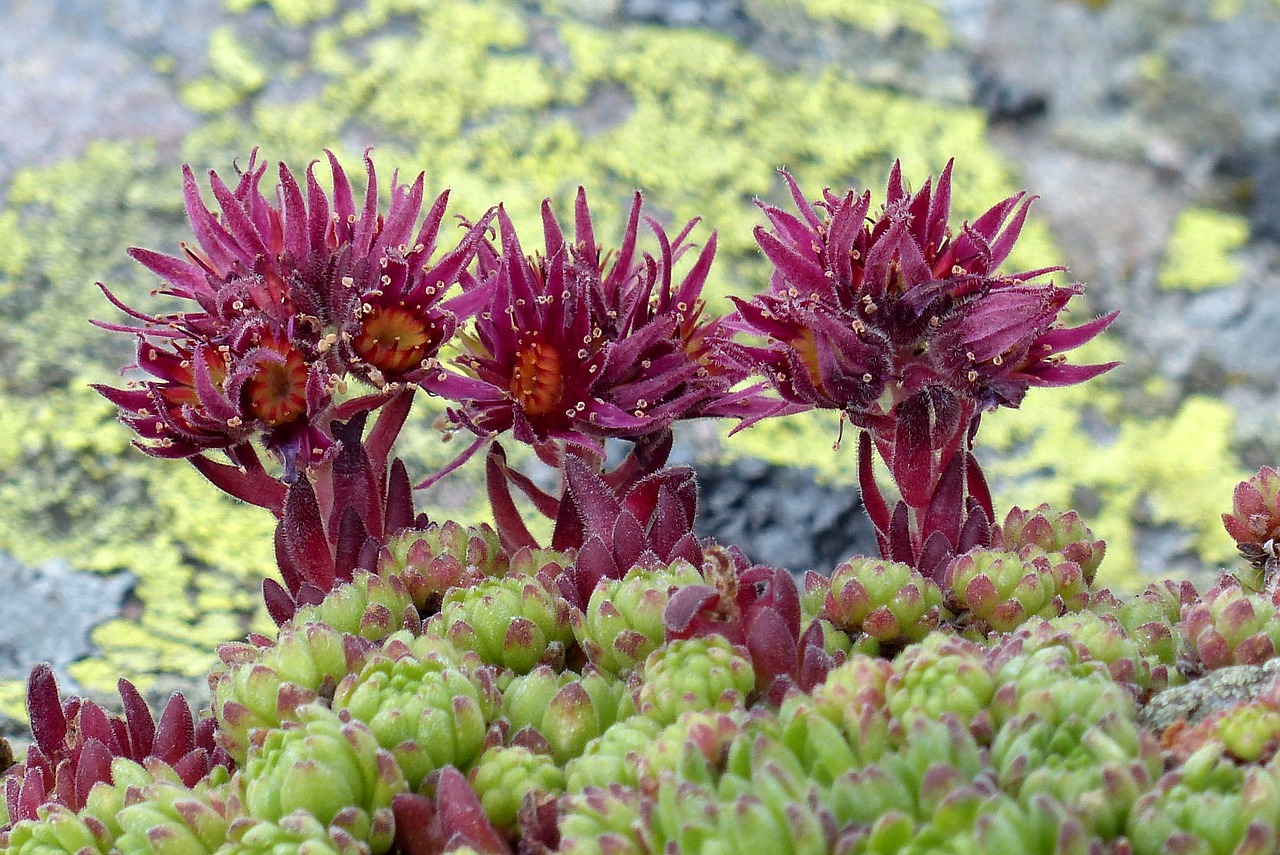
point(807, 347)
point(536, 382)
point(277, 392)
point(393, 339)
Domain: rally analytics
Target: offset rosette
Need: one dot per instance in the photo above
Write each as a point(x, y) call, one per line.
point(260, 687)
point(169, 818)
point(1209, 805)
point(1254, 521)
point(432, 559)
point(1041, 670)
point(886, 600)
point(369, 606)
point(324, 767)
point(1230, 626)
point(612, 757)
point(1098, 768)
point(1109, 642)
point(426, 714)
point(566, 710)
point(505, 776)
point(710, 782)
point(58, 830)
point(515, 622)
point(942, 674)
point(1061, 533)
point(706, 673)
point(623, 622)
point(999, 590)
point(931, 778)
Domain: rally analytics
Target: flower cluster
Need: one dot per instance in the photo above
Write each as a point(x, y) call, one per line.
point(628, 686)
point(909, 331)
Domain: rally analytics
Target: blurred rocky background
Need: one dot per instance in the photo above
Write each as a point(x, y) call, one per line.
point(1150, 128)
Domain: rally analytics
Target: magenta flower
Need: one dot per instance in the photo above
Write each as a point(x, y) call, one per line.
point(290, 297)
point(579, 345)
point(864, 313)
point(910, 331)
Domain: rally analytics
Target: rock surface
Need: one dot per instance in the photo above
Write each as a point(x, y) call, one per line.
point(47, 614)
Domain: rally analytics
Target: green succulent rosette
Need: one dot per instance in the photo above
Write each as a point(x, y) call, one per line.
point(260, 687)
point(58, 830)
point(613, 756)
point(1098, 768)
point(908, 786)
point(686, 675)
point(997, 591)
point(827, 749)
point(566, 710)
point(598, 820)
point(886, 600)
point(695, 747)
point(429, 561)
point(369, 606)
point(428, 715)
point(168, 818)
point(299, 833)
point(1152, 619)
point(1107, 641)
point(1062, 533)
point(325, 765)
point(515, 622)
point(1209, 805)
point(505, 775)
point(623, 622)
point(711, 782)
point(941, 674)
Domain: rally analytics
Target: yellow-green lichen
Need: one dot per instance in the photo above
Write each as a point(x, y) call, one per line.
point(234, 74)
point(294, 13)
point(1199, 252)
point(13, 699)
point(880, 17)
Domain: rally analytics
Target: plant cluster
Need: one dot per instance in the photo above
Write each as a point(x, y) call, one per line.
point(624, 685)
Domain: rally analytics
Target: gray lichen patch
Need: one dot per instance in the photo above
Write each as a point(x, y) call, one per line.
point(1216, 691)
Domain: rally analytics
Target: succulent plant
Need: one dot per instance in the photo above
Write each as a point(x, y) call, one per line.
point(1254, 521)
point(263, 685)
point(613, 756)
point(76, 742)
point(941, 674)
point(514, 622)
point(1230, 626)
point(886, 600)
point(1098, 768)
point(427, 715)
point(371, 607)
point(432, 559)
point(623, 621)
point(504, 776)
point(324, 771)
point(1062, 533)
point(566, 711)
point(999, 590)
point(705, 673)
point(628, 686)
point(1208, 805)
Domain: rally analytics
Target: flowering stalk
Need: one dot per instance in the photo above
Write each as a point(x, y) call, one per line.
point(910, 333)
